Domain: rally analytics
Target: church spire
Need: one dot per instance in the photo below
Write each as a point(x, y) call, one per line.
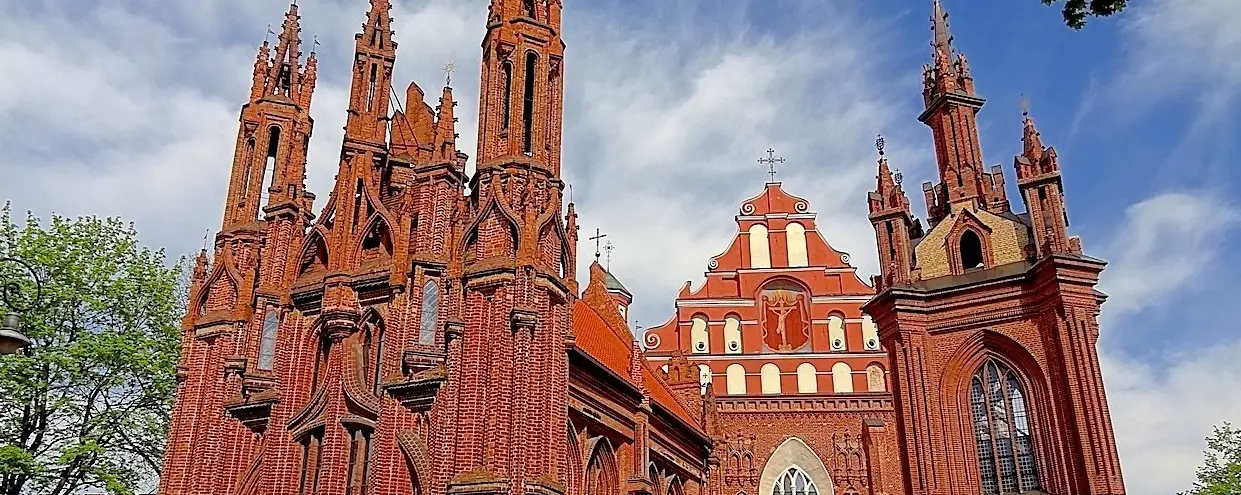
point(370, 92)
point(269, 163)
point(941, 40)
point(951, 108)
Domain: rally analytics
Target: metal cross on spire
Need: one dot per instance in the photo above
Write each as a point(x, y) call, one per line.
point(607, 247)
point(448, 70)
point(1023, 103)
point(598, 236)
point(771, 162)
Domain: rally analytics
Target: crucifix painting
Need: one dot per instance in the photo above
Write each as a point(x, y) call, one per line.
point(786, 326)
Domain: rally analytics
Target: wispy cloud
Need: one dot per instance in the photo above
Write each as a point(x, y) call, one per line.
point(1163, 244)
point(1162, 408)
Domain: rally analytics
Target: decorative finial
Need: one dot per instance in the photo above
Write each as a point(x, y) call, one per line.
point(771, 162)
point(570, 193)
point(1023, 103)
point(880, 143)
point(898, 177)
point(448, 69)
point(607, 247)
point(598, 236)
point(315, 46)
point(268, 35)
point(205, 236)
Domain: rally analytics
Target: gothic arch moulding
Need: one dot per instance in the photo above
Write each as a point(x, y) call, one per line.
point(974, 352)
point(795, 453)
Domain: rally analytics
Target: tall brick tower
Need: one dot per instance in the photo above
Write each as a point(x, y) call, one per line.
point(516, 266)
point(989, 317)
point(229, 328)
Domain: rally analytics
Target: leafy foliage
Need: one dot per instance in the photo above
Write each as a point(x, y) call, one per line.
point(1220, 473)
point(1075, 11)
point(87, 405)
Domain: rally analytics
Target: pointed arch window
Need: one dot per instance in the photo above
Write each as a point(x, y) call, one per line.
point(370, 90)
point(269, 164)
point(508, 95)
point(1002, 436)
point(971, 251)
point(430, 313)
point(267, 344)
point(794, 482)
point(527, 112)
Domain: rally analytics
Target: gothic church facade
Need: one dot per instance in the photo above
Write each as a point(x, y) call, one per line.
point(424, 332)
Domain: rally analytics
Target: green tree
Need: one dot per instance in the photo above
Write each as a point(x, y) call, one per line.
point(87, 405)
point(1075, 11)
point(1220, 473)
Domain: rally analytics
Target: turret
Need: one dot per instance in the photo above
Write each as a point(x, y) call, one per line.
point(1038, 178)
point(891, 217)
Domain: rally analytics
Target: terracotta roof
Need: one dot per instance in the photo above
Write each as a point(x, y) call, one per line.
point(601, 343)
point(598, 341)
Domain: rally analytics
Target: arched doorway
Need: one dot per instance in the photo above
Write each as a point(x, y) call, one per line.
point(794, 469)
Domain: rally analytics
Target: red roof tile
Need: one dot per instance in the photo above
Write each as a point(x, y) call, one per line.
point(601, 343)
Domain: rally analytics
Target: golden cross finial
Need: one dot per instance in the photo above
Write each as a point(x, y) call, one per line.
point(448, 70)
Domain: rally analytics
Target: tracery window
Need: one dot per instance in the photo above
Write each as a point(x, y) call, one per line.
point(267, 345)
point(430, 312)
point(794, 482)
point(1002, 431)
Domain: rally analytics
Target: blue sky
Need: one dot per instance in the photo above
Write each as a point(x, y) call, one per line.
point(129, 108)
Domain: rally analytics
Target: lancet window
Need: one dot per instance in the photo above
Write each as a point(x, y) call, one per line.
point(1002, 431)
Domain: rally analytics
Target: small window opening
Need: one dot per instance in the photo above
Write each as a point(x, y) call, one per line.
point(357, 202)
point(374, 239)
point(508, 95)
point(267, 345)
point(359, 461)
point(891, 240)
point(971, 251)
point(527, 116)
point(528, 6)
point(370, 92)
point(284, 82)
point(245, 176)
point(269, 168)
point(311, 453)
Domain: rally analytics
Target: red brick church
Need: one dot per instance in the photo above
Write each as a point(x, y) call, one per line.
point(424, 333)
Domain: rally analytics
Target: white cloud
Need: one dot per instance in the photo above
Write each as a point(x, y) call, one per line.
point(1162, 410)
point(1163, 407)
point(1163, 243)
point(132, 112)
